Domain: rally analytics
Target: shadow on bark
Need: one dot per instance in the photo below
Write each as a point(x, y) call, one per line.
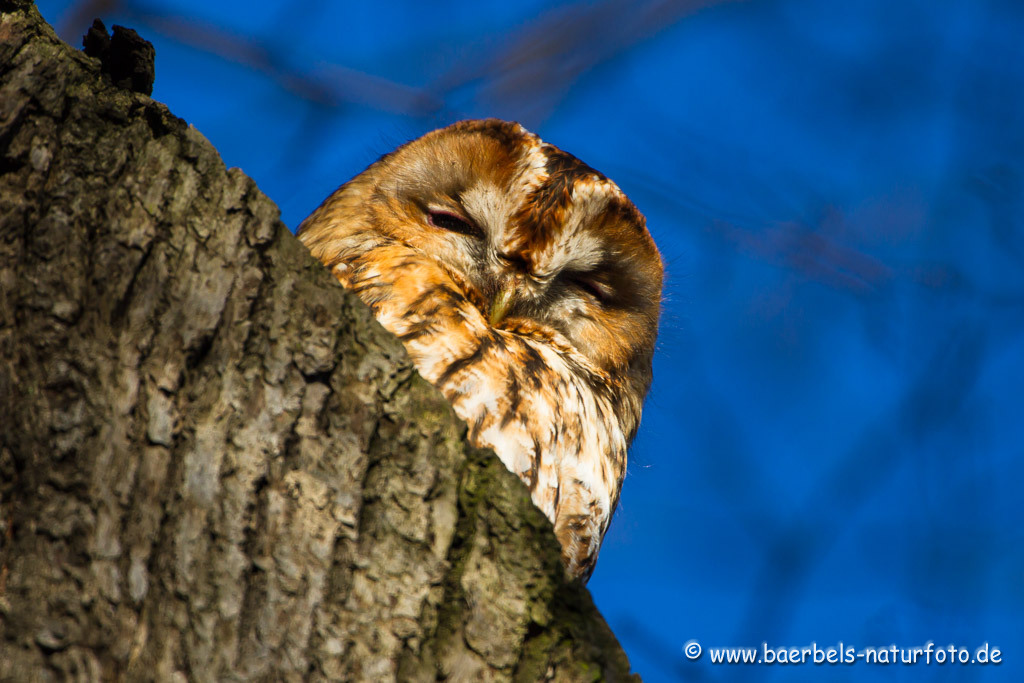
point(214, 464)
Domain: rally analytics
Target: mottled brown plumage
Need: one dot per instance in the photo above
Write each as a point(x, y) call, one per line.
point(526, 287)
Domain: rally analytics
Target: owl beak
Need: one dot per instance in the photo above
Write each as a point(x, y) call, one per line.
point(501, 303)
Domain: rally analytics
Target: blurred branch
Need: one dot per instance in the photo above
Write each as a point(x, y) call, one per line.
point(930, 403)
point(537, 63)
point(334, 87)
point(547, 56)
point(816, 249)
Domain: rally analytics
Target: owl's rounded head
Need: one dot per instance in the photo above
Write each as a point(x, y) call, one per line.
point(539, 240)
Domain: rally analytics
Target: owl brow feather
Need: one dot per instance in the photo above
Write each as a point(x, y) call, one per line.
point(549, 201)
point(506, 133)
point(564, 164)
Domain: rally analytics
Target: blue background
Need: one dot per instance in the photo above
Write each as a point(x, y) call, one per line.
point(832, 449)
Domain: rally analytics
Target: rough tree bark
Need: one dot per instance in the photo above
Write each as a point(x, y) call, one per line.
point(214, 464)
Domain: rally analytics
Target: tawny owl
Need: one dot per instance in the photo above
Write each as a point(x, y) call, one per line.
point(525, 286)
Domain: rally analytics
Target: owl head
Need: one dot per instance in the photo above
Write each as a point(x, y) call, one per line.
point(538, 239)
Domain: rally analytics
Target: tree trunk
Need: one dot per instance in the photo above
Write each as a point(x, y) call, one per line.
point(214, 464)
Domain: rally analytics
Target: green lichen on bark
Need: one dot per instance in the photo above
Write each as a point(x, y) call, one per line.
point(214, 463)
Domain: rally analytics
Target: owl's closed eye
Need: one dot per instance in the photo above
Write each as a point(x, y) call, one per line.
point(525, 286)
